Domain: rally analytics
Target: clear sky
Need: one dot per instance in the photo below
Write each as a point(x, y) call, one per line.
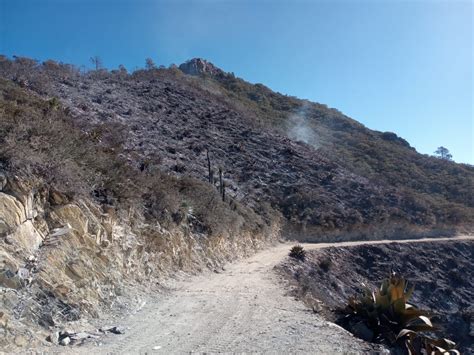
point(394, 65)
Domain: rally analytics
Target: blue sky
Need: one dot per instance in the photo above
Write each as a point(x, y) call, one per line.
point(401, 66)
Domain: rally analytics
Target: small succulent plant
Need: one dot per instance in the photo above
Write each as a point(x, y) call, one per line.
point(298, 253)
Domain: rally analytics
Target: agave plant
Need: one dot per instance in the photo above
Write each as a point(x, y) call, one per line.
point(387, 313)
point(298, 252)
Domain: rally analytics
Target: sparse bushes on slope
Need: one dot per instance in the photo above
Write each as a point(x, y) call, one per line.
point(382, 157)
point(325, 264)
point(362, 178)
point(39, 138)
point(101, 218)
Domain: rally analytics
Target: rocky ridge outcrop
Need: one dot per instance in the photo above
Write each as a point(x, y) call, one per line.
point(199, 66)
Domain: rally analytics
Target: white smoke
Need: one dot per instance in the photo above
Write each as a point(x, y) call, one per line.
point(300, 129)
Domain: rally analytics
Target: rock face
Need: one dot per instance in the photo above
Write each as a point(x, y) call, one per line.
point(198, 66)
point(16, 217)
point(26, 237)
point(12, 213)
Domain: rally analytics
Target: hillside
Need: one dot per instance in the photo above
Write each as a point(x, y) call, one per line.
point(111, 182)
point(223, 176)
point(441, 271)
point(326, 173)
point(84, 232)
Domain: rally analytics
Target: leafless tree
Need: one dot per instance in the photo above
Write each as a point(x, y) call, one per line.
point(96, 62)
point(122, 69)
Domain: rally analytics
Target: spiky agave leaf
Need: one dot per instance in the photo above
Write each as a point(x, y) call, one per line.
point(382, 300)
point(405, 332)
point(439, 346)
point(409, 292)
point(411, 314)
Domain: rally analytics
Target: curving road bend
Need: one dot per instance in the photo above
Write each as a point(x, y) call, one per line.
point(243, 309)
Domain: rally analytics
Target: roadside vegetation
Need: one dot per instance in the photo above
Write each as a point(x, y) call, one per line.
point(384, 315)
point(428, 310)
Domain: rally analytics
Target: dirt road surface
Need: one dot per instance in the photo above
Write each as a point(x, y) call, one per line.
point(244, 308)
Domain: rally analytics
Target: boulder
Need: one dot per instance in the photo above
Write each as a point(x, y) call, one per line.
point(30, 212)
point(27, 237)
point(65, 341)
point(8, 262)
point(53, 338)
point(21, 341)
point(10, 280)
point(12, 213)
point(58, 232)
point(9, 267)
point(22, 191)
point(57, 198)
point(73, 215)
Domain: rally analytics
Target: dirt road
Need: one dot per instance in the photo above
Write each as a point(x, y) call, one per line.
point(242, 309)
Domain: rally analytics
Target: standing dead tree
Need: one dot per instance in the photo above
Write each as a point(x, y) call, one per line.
point(96, 62)
point(221, 184)
point(210, 176)
point(210, 171)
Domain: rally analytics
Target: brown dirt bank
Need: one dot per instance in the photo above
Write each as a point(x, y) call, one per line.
point(443, 272)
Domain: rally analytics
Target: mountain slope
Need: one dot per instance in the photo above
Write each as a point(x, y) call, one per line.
point(326, 173)
point(382, 156)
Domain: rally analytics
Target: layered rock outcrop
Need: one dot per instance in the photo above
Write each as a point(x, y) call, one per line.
point(199, 66)
point(73, 260)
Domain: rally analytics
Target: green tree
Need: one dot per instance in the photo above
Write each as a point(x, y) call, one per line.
point(150, 64)
point(443, 153)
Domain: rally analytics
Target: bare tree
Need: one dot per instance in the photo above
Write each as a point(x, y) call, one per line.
point(96, 62)
point(122, 69)
point(150, 64)
point(443, 153)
